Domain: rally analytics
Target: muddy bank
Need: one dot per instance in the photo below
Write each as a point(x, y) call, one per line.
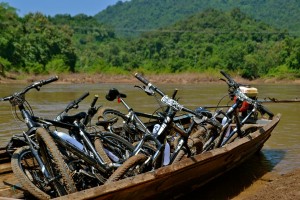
point(183, 78)
point(274, 186)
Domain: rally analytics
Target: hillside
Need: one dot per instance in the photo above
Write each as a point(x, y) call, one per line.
point(133, 17)
point(208, 40)
point(201, 43)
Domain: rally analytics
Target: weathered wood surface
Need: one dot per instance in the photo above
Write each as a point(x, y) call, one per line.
point(164, 182)
point(9, 186)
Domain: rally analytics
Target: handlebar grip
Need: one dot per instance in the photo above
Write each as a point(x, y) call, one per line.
point(265, 110)
point(141, 78)
point(74, 104)
point(50, 80)
point(94, 101)
point(82, 97)
point(174, 93)
point(226, 75)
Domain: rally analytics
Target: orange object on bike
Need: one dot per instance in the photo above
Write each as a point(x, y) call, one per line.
point(244, 107)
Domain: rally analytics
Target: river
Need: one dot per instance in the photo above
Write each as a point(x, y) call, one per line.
point(281, 153)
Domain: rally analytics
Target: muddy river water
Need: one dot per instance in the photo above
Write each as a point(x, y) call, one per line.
point(281, 153)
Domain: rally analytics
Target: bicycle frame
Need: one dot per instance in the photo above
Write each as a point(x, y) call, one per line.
point(225, 136)
point(84, 150)
point(43, 159)
point(160, 139)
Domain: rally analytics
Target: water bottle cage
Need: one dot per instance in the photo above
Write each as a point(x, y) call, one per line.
point(171, 102)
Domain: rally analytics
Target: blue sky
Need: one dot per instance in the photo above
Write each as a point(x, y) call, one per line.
point(53, 7)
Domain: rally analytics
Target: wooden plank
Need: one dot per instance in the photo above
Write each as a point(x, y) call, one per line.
point(10, 187)
point(5, 167)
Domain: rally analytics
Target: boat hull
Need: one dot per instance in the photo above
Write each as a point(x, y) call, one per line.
point(189, 173)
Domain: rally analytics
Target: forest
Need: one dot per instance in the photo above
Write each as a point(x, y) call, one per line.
point(206, 41)
point(128, 16)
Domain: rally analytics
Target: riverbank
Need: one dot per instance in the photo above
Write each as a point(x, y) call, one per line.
point(183, 78)
point(274, 187)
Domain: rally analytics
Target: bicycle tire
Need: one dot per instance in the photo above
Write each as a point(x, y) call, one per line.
point(117, 145)
point(179, 156)
point(55, 163)
point(108, 114)
point(25, 174)
point(149, 150)
point(196, 146)
point(100, 150)
point(125, 127)
point(124, 170)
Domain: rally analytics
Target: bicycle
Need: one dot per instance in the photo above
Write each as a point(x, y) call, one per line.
point(250, 108)
point(162, 155)
point(91, 156)
point(39, 166)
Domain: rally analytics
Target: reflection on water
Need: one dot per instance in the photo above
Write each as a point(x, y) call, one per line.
point(280, 153)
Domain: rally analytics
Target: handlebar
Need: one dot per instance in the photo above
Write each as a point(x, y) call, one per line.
point(141, 78)
point(74, 104)
point(230, 81)
point(47, 81)
point(71, 105)
point(92, 111)
point(264, 110)
point(94, 101)
point(37, 85)
point(239, 94)
point(174, 104)
point(147, 83)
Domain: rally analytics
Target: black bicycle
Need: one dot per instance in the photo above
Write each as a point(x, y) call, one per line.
point(39, 165)
point(243, 110)
point(92, 155)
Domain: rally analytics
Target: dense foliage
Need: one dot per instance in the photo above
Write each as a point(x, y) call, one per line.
point(135, 16)
point(203, 42)
point(208, 41)
point(33, 44)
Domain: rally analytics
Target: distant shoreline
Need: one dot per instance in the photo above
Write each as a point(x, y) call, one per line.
point(183, 78)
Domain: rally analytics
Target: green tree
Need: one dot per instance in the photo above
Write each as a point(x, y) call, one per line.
point(9, 35)
point(42, 41)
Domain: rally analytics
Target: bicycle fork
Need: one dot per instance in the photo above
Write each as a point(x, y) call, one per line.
point(34, 150)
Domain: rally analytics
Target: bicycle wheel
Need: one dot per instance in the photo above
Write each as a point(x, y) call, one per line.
point(62, 183)
point(128, 169)
point(28, 172)
point(108, 114)
point(117, 148)
point(195, 146)
point(124, 127)
point(101, 151)
point(147, 148)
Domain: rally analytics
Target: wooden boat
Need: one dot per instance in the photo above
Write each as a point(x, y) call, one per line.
point(167, 181)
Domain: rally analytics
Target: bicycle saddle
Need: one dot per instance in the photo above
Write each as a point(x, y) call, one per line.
point(106, 123)
point(113, 94)
point(203, 111)
point(70, 119)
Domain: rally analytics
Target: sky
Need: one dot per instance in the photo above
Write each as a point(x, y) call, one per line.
point(53, 7)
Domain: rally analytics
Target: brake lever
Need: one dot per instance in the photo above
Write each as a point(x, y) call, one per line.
point(146, 89)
